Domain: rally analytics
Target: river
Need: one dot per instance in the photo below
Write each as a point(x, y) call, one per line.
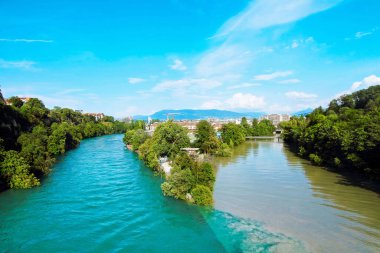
point(101, 198)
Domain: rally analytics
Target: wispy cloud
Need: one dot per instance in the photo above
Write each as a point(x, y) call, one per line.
point(300, 95)
point(26, 40)
point(183, 84)
point(27, 65)
point(288, 81)
point(274, 75)
point(243, 85)
point(265, 13)
point(245, 101)
point(359, 35)
point(178, 65)
point(135, 80)
point(70, 91)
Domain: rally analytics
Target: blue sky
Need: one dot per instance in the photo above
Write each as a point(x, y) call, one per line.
point(137, 57)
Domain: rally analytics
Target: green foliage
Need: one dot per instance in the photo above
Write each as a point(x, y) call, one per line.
point(178, 184)
point(167, 140)
point(206, 139)
point(202, 195)
point(15, 171)
point(34, 149)
point(262, 128)
point(135, 138)
point(346, 135)
point(233, 134)
point(206, 176)
point(16, 101)
point(224, 150)
point(35, 111)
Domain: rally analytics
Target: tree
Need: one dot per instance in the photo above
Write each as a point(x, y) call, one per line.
point(202, 195)
point(34, 149)
point(232, 134)
point(16, 101)
point(35, 111)
point(206, 139)
point(15, 171)
point(246, 126)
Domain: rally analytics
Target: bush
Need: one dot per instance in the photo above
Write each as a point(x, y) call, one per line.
point(315, 159)
point(16, 171)
point(202, 195)
point(224, 150)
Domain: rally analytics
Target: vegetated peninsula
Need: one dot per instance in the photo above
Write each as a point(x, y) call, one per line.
point(344, 136)
point(169, 151)
point(32, 136)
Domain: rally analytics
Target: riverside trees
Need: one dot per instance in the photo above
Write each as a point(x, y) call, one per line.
point(31, 136)
point(345, 136)
point(187, 175)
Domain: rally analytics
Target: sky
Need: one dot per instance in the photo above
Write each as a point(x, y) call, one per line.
point(125, 57)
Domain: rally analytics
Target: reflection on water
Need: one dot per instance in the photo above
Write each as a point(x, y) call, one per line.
point(264, 181)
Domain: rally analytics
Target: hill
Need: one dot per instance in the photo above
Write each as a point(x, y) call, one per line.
point(193, 114)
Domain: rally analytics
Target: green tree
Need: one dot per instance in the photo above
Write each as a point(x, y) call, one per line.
point(206, 139)
point(15, 171)
point(202, 195)
point(232, 134)
point(16, 101)
point(35, 111)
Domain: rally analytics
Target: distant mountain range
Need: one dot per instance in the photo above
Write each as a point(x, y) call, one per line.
point(193, 114)
point(303, 112)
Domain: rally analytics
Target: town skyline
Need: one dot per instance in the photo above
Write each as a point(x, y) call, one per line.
point(246, 56)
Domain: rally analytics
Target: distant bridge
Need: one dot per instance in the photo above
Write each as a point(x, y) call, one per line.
point(274, 137)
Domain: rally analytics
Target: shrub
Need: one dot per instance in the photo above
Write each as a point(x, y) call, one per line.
point(315, 159)
point(202, 195)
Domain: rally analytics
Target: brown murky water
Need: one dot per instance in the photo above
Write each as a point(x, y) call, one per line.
point(265, 182)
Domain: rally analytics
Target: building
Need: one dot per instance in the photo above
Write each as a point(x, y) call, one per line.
point(276, 118)
point(98, 116)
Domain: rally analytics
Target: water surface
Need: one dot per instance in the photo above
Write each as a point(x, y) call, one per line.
point(101, 198)
point(264, 181)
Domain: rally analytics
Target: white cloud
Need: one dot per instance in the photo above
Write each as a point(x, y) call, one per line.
point(287, 81)
point(365, 83)
point(27, 40)
point(295, 44)
point(360, 35)
point(135, 80)
point(178, 65)
point(300, 95)
point(243, 85)
point(274, 75)
point(265, 13)
point(70, 91)
point(16, 64)
point(224, 62)
point(245, 101)
point(212, 104)
point(182, 84)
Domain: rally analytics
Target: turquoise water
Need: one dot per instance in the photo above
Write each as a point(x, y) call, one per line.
point(101, 198)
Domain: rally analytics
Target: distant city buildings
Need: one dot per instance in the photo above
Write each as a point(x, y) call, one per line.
point(276, 118)
point(98, 116)
point(23, 99)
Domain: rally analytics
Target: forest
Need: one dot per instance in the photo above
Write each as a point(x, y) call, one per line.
point(32, 137)
point(344, 136)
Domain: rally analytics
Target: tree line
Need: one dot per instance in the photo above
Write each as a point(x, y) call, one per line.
point(32, 136)
point(345, 135)
point(189, 179)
